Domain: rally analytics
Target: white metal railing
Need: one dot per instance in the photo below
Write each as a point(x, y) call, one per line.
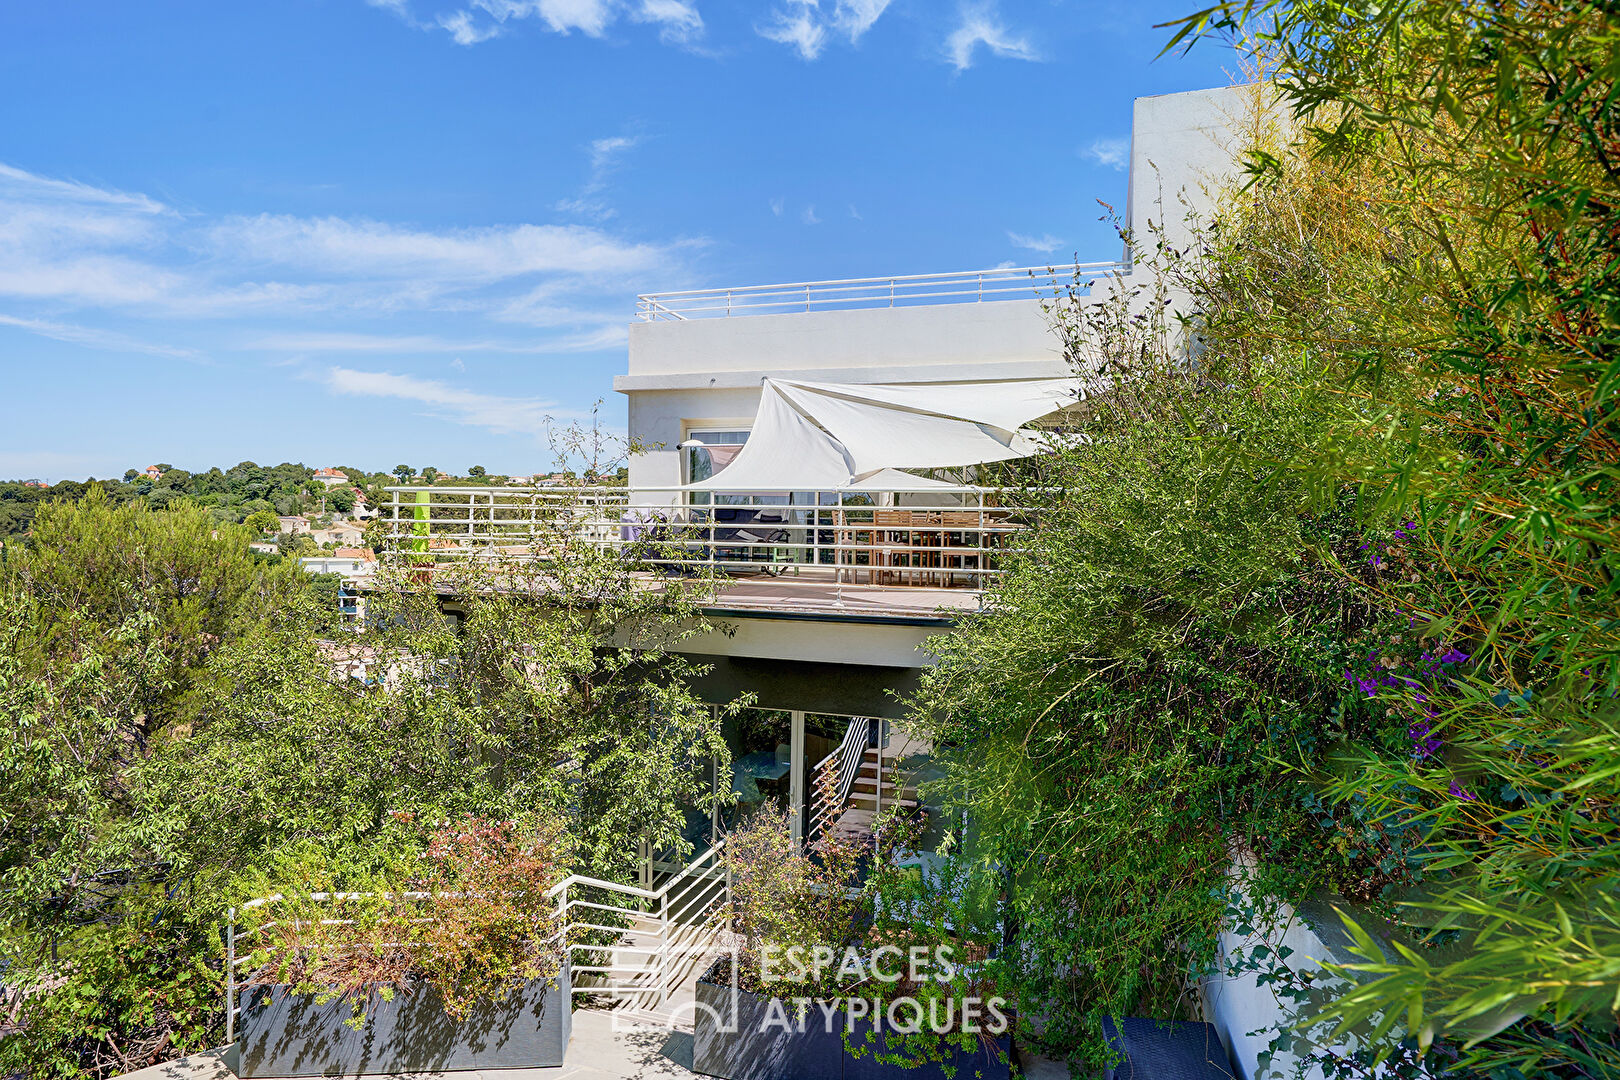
point(905, 290)
point(930, 537)
point(835, 777)
point(671, 926)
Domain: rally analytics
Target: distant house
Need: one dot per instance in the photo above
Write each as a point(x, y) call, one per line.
point(153, 472)
point(347, 562)
point(293, 524)
point(263, 547)
point(35, 483)
point(519, 481)
point(342, 533)
point(556, 479)
point(332, 477)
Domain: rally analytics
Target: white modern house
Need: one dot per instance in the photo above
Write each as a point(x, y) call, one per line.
point(817, 444)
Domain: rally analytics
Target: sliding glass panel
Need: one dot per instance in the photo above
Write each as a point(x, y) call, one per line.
point(760, 741)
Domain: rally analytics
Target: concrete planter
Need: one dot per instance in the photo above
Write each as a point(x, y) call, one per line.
point(284, 1034)
point(730, 1040)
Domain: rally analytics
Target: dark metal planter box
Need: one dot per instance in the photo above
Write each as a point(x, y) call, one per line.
point(283, 1034)
point(753, 1052)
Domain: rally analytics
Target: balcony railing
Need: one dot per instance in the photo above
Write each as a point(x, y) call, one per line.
point(966, 287)
point(941, 538)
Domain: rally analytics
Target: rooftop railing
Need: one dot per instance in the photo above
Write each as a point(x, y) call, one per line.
point(966, 287)
point(942, 537)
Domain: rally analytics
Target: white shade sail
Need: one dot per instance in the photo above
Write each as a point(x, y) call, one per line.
point(824, 436)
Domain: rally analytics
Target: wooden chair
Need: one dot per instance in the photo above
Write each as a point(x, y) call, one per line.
point(963, 540)
point(907, 543)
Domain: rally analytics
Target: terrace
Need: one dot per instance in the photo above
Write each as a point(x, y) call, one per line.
point(905, 290)
point(918, 554)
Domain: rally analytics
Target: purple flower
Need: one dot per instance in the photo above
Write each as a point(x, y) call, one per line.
point(1453, 656)
point(1424, 742)
point(1460, 792)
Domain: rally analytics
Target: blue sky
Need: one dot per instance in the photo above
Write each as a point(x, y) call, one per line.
point(341, 231)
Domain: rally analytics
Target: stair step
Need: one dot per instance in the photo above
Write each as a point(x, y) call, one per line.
point(867, 787)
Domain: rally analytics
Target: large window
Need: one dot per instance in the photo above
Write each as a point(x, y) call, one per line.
point(717, 449)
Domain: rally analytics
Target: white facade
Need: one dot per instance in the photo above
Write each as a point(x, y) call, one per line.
point(697, 361)
point(349, 566)
point(704, 373)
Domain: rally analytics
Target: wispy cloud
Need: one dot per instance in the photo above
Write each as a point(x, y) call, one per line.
point(605, 156)
point(93, 338)
point(1114, 153)
point(678, 22)
point(99, 254)
point(1046, 243)
point(473, 21)
point(797, 25)
point(980, 24)
point(808, 215)
point(776, 207)
point(501, 415)
point(406, 344)
point(464, 29)
point(807, 26)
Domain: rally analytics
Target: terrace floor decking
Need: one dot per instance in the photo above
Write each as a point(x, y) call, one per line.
point(810, 593)
point(820, 593)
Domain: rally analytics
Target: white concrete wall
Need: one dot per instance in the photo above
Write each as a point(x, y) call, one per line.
point(819, 640)
point(816, 344)
point(1182, 147)
point(706, 372)
point(1246, 1013)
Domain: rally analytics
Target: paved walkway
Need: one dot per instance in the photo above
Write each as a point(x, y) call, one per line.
point(597, 1052)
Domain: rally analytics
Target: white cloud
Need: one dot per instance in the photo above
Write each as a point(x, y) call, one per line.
point(776, 207)
point(797, 25)
point(464, 30)
point(678, 21)
point(1114, 153)
point(72, 190)
point(92, 338)
point(809, 215)
point(981, 25)
point(417, 344)
point(854, 213)
point(502, 415)
point(589, 17)
point(336, 246)
point(1046, 243)
point(605, 155)
point(855, 17)
point(95, 252)
point(807, 26)
point(605, 152)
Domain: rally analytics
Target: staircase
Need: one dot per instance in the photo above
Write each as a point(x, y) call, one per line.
point(858, 781)
point(641, 950)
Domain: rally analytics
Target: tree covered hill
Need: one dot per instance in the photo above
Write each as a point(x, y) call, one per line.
point(229, 495)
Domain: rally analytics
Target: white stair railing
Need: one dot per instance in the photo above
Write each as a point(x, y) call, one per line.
point(835, 777)
point(668, 928)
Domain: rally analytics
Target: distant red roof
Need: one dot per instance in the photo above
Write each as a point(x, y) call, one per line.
point(323, 474)
point(355, 553)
